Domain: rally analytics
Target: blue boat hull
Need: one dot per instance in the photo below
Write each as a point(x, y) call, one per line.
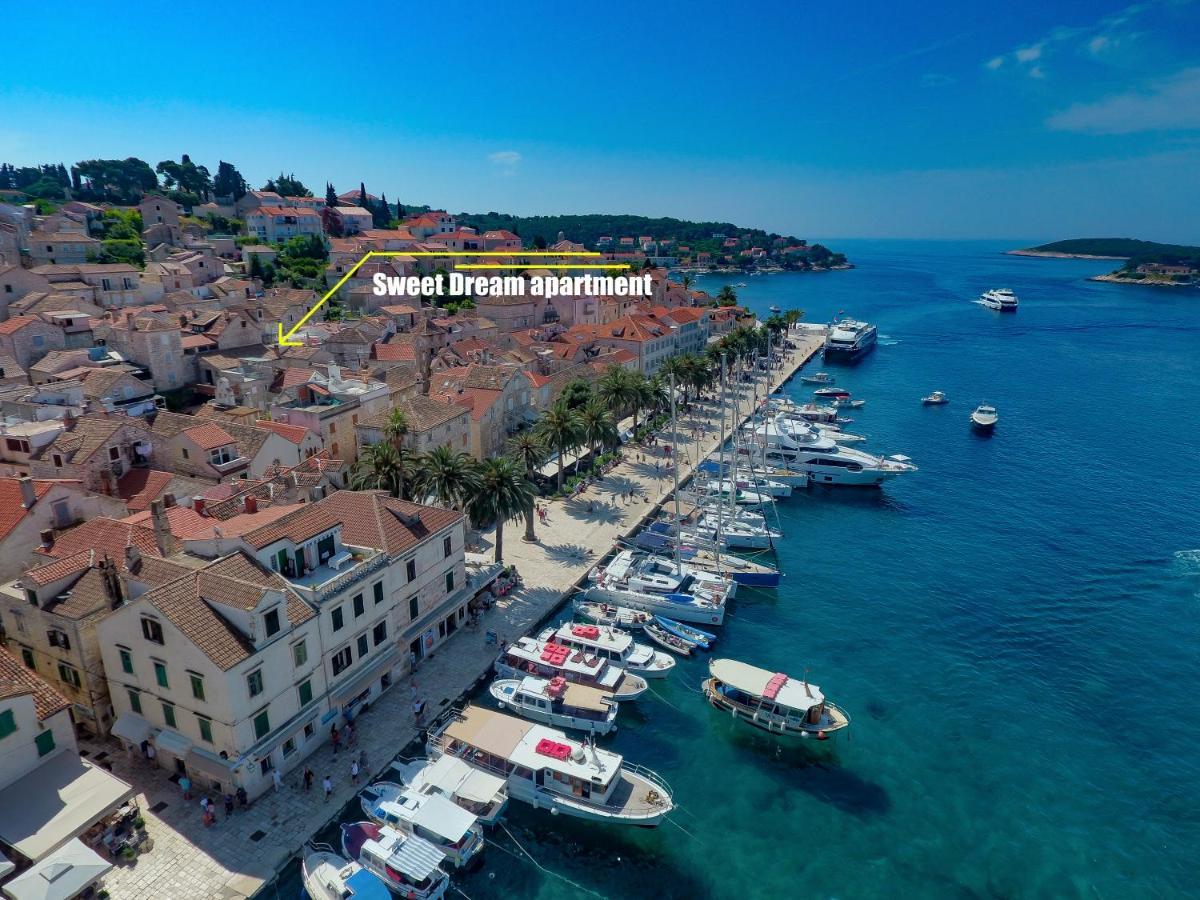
point(755, 579)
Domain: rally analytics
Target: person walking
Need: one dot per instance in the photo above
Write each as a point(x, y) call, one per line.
point(277, 779)
point(354, 772)
point(328, 785)
point(185, 785)
point(242, 798)
point(308, 778)
point(335, 737)
point(228, 805)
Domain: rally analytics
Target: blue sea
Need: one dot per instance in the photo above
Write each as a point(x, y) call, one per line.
point(1014, 629)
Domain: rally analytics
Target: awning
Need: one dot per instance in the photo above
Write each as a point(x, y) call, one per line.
point(132, 727)
point(63, 874)
point(55, 802)
point(207, 764)
point(360, 684)
point(173, 742)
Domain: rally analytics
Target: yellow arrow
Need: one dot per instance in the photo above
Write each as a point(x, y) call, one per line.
point(285, 340)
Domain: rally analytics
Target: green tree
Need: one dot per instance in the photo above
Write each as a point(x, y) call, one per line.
point(577, 394)
point(186, 177)
point(727, 296)
point(379, 213)
point(229, 183)
point(559, 427)
point(378, 469)
point(597, 427)
point(447, 476)
point(529, 451)
point(503, 494)
point(118, 181)
point(287, 186)
point(616, 389)
point(331, 197)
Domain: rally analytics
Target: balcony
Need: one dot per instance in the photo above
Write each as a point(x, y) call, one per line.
point(345, 569)
point(230, 465)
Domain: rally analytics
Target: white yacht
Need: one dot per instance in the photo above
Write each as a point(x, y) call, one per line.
point(614, 644)
point(937, 398)
point(1002, 299)
point(557, 702)
point(984, 418)
point(604, 614)
point(454, 831)
point(409, 866)
point(328, 876)
point(528, 656)
point(548, 770)
point(730, 534)
point(637, 581)
point(743, 496)
point(817, 378)
point(482, 795)
point(850, 340)
point(825, 460)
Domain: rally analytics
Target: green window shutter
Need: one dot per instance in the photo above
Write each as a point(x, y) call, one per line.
point(197, 687)
point(169, 715)
point(262, 724)
point(126, 662)
point(205, 730)
point(160, 674)
point(8, 723)
point(135, 702)
point(305, 693)
point(44, 742)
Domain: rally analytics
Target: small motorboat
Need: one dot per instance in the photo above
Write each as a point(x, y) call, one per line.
point(666, 640)
point(607, 614)
point(431, 817)
point(817, 378)
point(937, 398)
point(328, 876)
point(408, 865)
point(984, 418)
point(696, 636)
point(831, 392)
point(774, 309)
point(557, 702)
point(847, 403)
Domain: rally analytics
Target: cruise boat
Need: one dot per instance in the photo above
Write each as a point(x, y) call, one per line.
point(817, 378)
point(327, 876)
point(828, 462)
point(771, 701)
point(557, 702)
point(834, 393)
point(482, 795)
point(613, 644)
point(605, 614)
point(937, 398)
point(548, 770)
point(454, 831)
point(409, 866)
point(527, 656)
point(1002, 299)
point(849, 341)
point(984, 418)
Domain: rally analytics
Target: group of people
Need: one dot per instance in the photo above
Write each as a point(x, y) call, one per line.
point(208, 808)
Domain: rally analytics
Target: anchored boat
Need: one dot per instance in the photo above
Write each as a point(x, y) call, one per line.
point(449, 827)
point(527, 656)
point(557, 702)
point(408, 865)
point(771, 701)
point(482, 795)
point(328, 876)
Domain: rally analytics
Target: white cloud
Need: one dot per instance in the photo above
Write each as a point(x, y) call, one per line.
point(994, 63)
point(1037, 72)
point(1099, 44)
point(505, 158)
point(1030, 53)
point(1171, 104)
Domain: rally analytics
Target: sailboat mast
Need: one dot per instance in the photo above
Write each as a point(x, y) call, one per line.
point(675, 471)
point(721, 468)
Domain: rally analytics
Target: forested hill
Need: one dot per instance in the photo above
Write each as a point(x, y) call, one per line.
point(1137, 252)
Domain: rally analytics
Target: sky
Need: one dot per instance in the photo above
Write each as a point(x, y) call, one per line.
point(1029, 119)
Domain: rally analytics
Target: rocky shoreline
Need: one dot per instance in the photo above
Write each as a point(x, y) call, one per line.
point(1115, 278)
point(1050, 254)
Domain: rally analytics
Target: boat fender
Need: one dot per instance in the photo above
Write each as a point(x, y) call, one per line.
point(554, 810)
point(822, 736)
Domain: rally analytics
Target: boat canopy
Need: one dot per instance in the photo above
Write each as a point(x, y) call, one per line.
point(364, 885)
point(580, 696)
point(456, 777)
point(775, 686)
point(408, 854)
point(432, 812)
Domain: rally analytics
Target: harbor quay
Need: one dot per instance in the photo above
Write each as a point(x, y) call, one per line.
point(240, 853)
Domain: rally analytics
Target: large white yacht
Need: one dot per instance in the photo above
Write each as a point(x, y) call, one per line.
point(614, 644)
point(849, 340)
point(827, 462)
point(548, 770)
point(689, 596)
point(1002, 299)
point(527, 656)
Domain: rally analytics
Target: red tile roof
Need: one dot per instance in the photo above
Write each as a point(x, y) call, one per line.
point(16, 323)
point(138, 487)
point(16, 680)
point(105, 536)
point(294, 433)
point(12, 513)
point(209, 436)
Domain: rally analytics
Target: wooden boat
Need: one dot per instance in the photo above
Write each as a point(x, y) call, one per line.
point(557, 702)
point(668, 641)
point(771, 702)
point(695, 636)
point(437, 819)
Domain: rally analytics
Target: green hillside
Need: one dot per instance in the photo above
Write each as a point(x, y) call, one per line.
point(1137, 252)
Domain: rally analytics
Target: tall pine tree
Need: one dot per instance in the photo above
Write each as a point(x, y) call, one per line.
point(331, 198)
point(380, 213)
point(362, 196)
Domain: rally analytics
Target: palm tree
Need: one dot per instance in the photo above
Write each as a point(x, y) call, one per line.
point(529, 452)
point(658, 394)
point(378, 468)
point(395, 430)
point(447, 476)
point(676, 366)
point(615, 387)
point(597, 426)
point(687, 281)
point(727, 296)
point(503, 493)
point(792, 316)
point(641, 395)
point(559, 428)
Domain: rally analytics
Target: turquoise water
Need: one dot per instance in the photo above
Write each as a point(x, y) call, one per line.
point(1013, 629)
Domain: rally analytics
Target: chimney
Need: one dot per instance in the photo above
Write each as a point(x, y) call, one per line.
point(47, 538)
point(28, 494)
point(251, 503)
point(162, 528)
point(112, 583)
point(168, 500)
point(133, 556)
point(198, 505)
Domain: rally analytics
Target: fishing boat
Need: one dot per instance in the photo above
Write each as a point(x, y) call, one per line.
point(937, 398)
point(557, 702)
point(818, 378)
point(771, 701)
point(984, 418)
point(529, 656)
point(1002, 299)
point(327, 876)
point(482, 795)
point(408, 865)
point(548, 770)
point(604, 614)
point(848, 403)
point(447, 826)
point(696, 636)
point(831, 392)
point(668, 641)
point(613, 644)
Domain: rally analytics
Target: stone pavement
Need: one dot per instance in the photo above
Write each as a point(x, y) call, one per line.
point(235, 857)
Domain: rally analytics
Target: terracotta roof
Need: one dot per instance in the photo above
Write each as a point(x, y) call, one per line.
point(395, 351)
point(373, 519)
point(16, 680)
point(208, 436)
point(16, 323)
point(105, 536)
point(12, 513)
point(296, 527)
point(88, 435)
point(294, 433)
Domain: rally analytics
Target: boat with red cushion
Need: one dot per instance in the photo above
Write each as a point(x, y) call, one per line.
point(557, 702)
point(772, 701)
point(410, 866)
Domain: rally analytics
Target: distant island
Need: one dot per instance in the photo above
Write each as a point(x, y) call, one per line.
point(1146, 262)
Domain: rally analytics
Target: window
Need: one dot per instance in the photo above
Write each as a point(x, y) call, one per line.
point(271, 619)
point(205, 729)
point(126, 661)
point(450, 582)
point(299, 653)
point(364, 646)
point(446, 548)
point(411, 570)
point(378, 590)
point(262, 724)
point(152, 631)
point(359, 608)
point(8, 723)
point(27, 656)
point(184, 451)
point(68, 675)
point(309, 730)
point(305, 690)
point(413, 608)
point(58, 639)
point(114, 453)
point(336, 616)
point(160, 674)
point(135, 701)
point(289, 746)
point(197, 686)
point(342, 661)
point(31, 596)
point(222, 455)
point(254, 683)
point(380, 633)
point(44, 742)
point(169, 714)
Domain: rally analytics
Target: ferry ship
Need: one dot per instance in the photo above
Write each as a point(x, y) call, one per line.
point(849, 340)
point(1002, 299)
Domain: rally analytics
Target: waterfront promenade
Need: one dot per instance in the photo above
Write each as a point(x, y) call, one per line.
point(235, 857)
